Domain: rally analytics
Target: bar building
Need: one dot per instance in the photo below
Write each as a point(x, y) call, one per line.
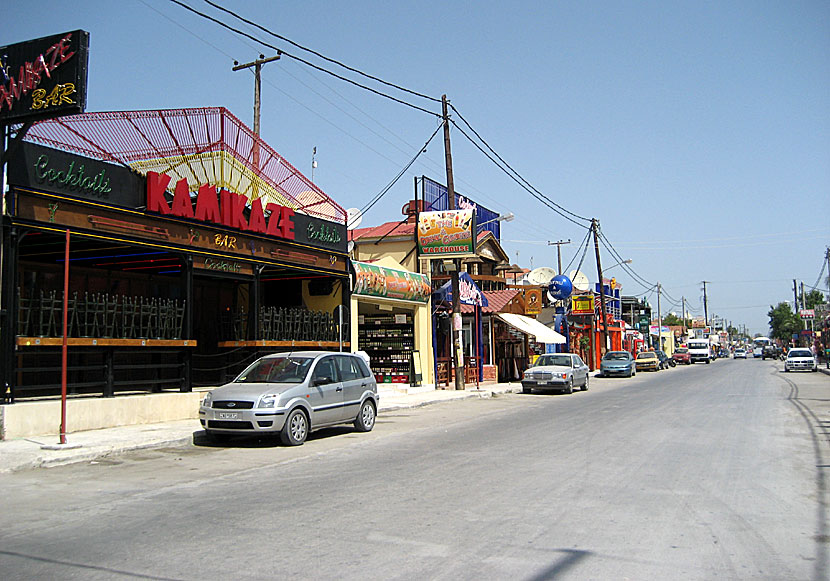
point(193, 248)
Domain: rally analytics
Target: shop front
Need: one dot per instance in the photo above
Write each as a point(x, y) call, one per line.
point(391, 322)
point(182, 261)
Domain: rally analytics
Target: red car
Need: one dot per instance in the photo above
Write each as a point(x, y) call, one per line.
point(681, 355)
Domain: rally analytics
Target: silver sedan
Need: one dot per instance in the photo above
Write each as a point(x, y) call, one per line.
point(556, 371)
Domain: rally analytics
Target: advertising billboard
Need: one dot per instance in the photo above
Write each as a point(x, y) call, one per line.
point(582, 305)
point(379, 281)
point(44, 78)
point(446, 234)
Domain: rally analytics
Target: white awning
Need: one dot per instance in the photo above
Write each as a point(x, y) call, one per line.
point(533, 327)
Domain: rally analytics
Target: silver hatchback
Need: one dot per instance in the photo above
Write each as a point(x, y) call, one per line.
point(292, 394)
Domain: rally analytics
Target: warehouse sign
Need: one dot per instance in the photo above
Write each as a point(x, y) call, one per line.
point(44, 78)
point(446, 234)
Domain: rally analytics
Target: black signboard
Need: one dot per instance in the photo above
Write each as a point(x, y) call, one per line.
point(55, 171)
point(319, 233)
point(44, 78)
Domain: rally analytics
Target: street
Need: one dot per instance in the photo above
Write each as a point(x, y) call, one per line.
point(698, 472)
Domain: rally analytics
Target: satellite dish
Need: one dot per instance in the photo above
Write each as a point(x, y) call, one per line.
point(579, 280)
point(540, 276)
point(353, 218)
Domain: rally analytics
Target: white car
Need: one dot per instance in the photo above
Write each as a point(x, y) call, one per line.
point(800, 359)
point(739, 353)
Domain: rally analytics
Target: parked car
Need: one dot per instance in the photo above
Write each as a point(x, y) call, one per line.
point(618, 363)
point(556, 371)
point(681, 355)
point(799, 359)
point(647, 360)
point(292, 394)
point(665, 361)
point(739, 353)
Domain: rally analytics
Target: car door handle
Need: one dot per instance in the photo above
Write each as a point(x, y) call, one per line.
point(339, 389)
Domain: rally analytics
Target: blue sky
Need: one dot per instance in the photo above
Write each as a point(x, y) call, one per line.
point(698, 133)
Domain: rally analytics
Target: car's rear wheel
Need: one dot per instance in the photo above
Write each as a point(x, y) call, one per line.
point(366, 418)
point(295, 430)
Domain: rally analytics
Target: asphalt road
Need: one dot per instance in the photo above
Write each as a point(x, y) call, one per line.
point(703, 472)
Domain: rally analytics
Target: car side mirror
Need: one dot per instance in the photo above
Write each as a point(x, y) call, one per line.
point(322, 380)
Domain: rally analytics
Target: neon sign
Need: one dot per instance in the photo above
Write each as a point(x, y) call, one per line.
point(225, 209)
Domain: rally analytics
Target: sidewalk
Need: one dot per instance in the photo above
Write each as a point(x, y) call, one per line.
point(45, 451)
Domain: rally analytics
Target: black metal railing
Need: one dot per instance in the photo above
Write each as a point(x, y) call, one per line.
point(100, 315)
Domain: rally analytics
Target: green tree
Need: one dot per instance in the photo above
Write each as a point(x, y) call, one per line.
point(783, 322)
point(672, 320)
point(813, 298)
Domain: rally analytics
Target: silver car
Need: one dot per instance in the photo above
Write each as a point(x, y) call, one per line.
point(556, 371)
point(292, 394)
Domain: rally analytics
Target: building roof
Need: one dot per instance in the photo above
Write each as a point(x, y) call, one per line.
point(497, 299)
point(388, 229)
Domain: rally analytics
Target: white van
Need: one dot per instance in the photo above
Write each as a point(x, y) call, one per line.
point(699, 350)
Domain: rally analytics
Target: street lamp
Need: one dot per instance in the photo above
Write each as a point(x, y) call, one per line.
point(629, 261)
point(501, 218)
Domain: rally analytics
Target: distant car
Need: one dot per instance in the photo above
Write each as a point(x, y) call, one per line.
point(739, 353)
point(556, 371)
point(770, 352)
point(681, 355)
point(292, 394)
point(664, 359)
point(618, 363)
point(800, 360)
point(647, 360)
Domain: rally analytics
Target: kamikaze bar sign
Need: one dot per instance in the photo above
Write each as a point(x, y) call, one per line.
point(446, 234)
point(44, 78)
point(378, 281)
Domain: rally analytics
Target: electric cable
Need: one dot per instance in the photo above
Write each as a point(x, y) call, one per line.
point(581, 244)
point(553, 206)
point(510, 168)
point(386, 189)
point(307, 63)
point(322, 56)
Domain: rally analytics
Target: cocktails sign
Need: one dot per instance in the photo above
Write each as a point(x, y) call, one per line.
point(446, 234)
point(44, 78)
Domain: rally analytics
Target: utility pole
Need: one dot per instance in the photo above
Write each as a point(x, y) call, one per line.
point(683, 313)
point(705, 306)
point(603, 323)
point(457, 354)
point(659, 322)
point(795, 296)
point(803, 304)
point(559, 252)
point(257, 64)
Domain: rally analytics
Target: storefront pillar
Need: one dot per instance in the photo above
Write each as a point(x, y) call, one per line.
point(10, 294)
point(187, 332)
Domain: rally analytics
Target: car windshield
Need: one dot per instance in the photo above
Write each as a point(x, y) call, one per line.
point(682, 350)
point(799, 353)
point(276, 370)
point(617, 356)
point(646, 355)
point(557, 360)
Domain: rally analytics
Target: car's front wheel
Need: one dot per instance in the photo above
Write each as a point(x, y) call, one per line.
point(366, 418)
point(569, 388)
point(295, 430)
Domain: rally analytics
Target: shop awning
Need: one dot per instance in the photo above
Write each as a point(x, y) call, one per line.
point(532, 327)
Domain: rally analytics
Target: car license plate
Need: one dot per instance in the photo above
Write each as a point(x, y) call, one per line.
point(229, 415)
point(543, 383)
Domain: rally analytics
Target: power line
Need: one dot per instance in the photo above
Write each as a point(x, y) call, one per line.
point(552, 205)
point(296, 58)
point(501, 159)
point(383, 192)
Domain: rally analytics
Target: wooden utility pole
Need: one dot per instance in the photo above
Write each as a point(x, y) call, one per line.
point(457, 353)
point(659, 321)
point(257, 64)
point(559, 253)
point(604, 322)
point(705, 306)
